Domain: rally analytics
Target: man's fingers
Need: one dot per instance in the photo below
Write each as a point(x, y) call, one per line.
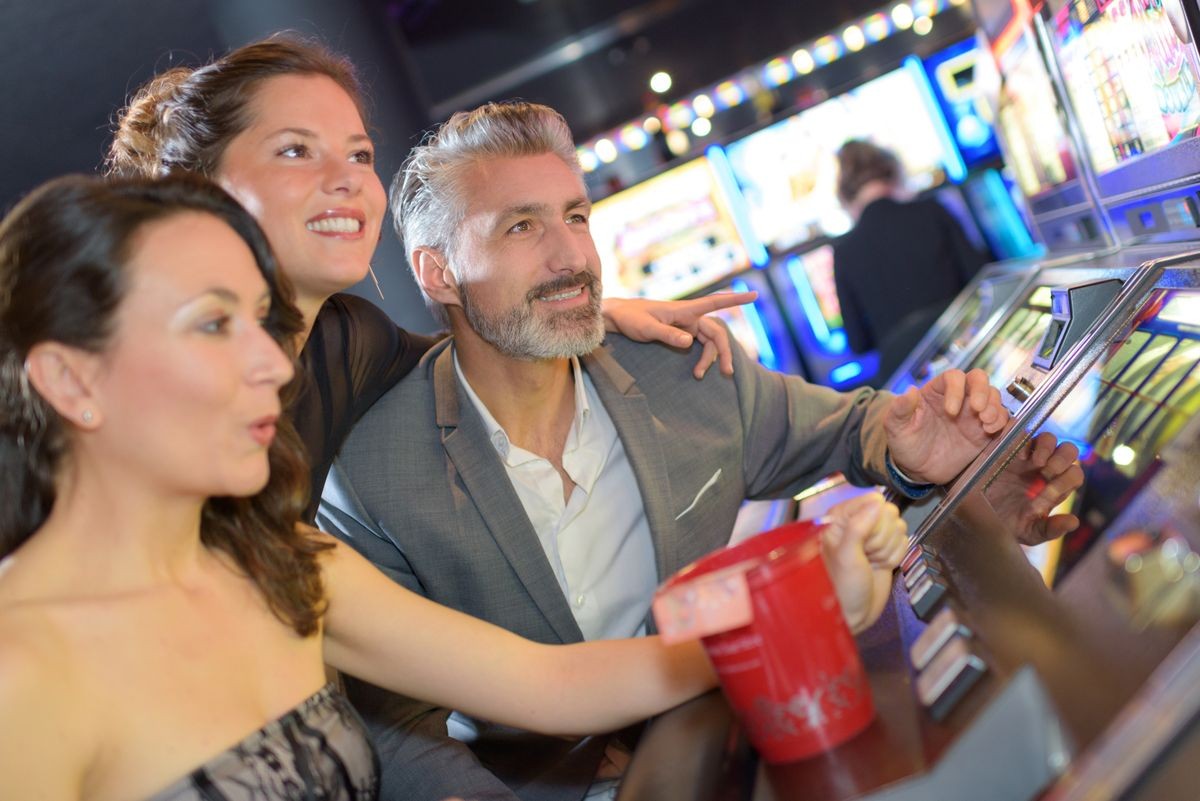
point(707, 357)
point(954, 388)
point(712, 331)
point(721, 300)
point(905, 406)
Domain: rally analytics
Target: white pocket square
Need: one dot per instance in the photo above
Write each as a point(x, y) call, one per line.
point(707, 485)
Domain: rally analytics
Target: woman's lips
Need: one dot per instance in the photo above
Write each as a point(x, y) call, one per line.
point(338, 223)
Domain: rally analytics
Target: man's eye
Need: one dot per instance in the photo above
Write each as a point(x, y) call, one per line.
point(521, 227)
point(577, 218)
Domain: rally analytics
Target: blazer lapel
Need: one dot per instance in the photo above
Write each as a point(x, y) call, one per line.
point(641, 437)
point(467, 444)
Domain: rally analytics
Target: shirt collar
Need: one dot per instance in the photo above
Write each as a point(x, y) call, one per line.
point(497, 435)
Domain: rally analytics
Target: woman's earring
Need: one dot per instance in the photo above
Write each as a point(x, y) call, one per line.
point(87, 416)
point(378, 288)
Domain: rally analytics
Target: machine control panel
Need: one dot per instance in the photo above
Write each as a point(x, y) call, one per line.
point(1074, 309)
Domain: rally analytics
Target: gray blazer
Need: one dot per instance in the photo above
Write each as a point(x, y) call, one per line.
point(419, 489)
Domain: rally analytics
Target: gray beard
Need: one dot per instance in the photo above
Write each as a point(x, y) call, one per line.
point(521, 333)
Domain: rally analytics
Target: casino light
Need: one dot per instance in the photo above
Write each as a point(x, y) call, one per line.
point(778, 71)
point(876, 27)
point(922, 25)
point(678, 142)
point(660, 82)
point(1123, 455)
point(926, 8)
point(802, 60)
point(633, 137)
point(651, 125)
point(703, 106)
point(680, 115)
point(827, 49)
point(606, 151)
point(587, 159)
point(902, 16)
point(730, 94)
point(854, 39)
point(701, 127)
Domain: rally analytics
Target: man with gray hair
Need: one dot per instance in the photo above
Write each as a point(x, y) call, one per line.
point(534, 475)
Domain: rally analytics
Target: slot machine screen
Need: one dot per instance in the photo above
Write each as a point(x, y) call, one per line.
point(952, 73)
point(668, 236)
point(1017, 338)
point(1125, 410)
point(788, 171)
point(815, 269)
point(1038, 145)
point(1131, 76)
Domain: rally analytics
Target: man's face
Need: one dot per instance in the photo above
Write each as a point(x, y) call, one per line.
point(524, 259)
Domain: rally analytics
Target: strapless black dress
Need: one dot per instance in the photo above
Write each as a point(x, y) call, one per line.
point(318, 750)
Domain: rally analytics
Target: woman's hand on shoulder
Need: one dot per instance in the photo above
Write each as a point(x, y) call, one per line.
point(677, 323)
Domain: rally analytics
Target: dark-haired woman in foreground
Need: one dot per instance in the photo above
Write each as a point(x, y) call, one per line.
point(158, 601)
point(281, 125)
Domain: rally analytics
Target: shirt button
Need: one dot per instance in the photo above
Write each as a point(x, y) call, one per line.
point(579, 599)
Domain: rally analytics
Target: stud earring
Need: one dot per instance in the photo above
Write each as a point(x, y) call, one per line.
point(87, 416)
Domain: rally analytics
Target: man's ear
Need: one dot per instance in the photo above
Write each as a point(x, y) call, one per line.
point(433, 274)
point(65, 377)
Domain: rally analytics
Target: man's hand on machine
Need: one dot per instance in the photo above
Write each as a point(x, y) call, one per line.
point(862, 544)
point(935, 431)
point(1040, 477)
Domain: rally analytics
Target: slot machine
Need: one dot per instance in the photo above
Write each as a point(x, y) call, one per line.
point(1068, 669)
point(682, 233)
point(786, 173)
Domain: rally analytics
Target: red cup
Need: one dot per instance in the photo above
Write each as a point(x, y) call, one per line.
point(792, 673)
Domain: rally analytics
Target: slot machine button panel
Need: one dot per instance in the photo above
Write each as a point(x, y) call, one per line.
point(915, 553)
point(919, 571)
point(944, 682)
point(925, 597)
point(944, 626)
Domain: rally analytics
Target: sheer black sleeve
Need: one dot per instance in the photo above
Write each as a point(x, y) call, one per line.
point(354, 354)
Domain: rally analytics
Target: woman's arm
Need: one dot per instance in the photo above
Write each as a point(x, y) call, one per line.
point(380, 632)
point(676, 323)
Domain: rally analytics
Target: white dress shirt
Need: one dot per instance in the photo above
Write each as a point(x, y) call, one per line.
point(598, 542)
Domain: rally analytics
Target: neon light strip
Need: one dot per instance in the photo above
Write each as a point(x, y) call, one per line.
point(994, 186)
point(808, 301)
point(955, 168)
point(741, 220)
point(766, 353)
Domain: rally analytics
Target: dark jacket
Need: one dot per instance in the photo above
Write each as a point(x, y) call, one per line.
point(896, 271)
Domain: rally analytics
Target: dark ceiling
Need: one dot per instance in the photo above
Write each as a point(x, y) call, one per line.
point(591, 59)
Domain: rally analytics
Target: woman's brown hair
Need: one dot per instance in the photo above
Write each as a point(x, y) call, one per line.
point(63, 256)
point(860, 163)
point(183, 119)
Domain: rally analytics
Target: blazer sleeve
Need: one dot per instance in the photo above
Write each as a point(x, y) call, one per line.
point(419, 760)
point(797, 433)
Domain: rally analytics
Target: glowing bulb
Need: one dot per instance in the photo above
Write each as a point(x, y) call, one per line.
point(1123, 455)
point(703, 106)
point(802, 60)
point(633, 137)
point(606, 151)
point(701, 126)
point(922, 25)
point(587, 159)
point(660, 82)
point(677, 142)
point(902, 15)
point(854, 39)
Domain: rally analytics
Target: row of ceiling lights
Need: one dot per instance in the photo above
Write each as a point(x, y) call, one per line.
point(694, 115)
